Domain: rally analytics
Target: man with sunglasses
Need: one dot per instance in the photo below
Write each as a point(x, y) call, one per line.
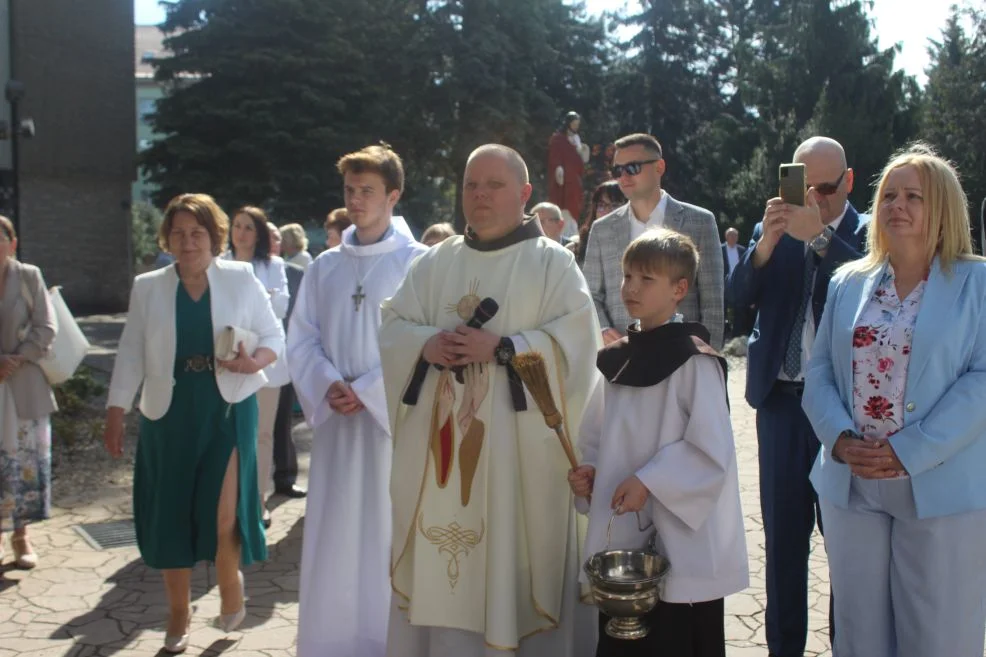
point(638, 166)
point(785, 273)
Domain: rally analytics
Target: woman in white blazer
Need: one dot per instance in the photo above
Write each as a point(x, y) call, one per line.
point(250, 241)
point(195, 482)
point(895, 391)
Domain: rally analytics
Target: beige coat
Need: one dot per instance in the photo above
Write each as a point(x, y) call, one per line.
point(33, 396)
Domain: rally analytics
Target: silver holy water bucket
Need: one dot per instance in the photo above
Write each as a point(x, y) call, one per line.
point(626, 586)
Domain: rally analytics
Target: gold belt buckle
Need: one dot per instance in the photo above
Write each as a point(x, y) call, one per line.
point(198, 364)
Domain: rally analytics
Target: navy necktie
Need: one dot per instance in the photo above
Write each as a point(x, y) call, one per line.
point(792, 357)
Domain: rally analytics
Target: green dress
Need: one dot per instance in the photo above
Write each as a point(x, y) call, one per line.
point(182, 458)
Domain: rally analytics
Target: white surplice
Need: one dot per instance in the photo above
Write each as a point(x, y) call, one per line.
point(486, 541)
point(676, 437)
point(344, 587)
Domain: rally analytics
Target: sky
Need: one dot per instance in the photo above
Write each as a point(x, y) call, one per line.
point(909, 22)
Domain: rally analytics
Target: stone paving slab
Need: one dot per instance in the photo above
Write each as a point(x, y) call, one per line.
point(81, 602)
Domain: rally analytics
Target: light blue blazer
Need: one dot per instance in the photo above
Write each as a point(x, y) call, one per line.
point(943, 439)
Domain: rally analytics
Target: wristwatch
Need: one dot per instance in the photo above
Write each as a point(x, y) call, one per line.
point(504, 352)
point(821, 241)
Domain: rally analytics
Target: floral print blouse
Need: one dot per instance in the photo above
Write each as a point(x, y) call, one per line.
point(881, 352)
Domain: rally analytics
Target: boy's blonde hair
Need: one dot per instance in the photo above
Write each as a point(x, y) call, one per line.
point(663, 251)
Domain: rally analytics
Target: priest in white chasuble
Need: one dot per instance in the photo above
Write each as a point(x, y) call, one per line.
point(486, 543)
point(335, 366)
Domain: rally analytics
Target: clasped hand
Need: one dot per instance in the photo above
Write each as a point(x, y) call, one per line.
point(463, 346)
point(343, 400)
point(869, 459)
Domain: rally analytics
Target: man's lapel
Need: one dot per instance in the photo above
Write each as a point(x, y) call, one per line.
point(674, 214)
point(849, 227)
point(622, 230)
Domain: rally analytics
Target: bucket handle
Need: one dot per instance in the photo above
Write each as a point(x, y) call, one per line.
point(617, 511)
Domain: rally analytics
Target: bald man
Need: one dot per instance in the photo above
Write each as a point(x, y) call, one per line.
point(552, 221)
point(485, 541)
point(785, 273)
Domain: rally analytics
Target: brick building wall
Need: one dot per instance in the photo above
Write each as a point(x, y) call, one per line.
point(76, 60)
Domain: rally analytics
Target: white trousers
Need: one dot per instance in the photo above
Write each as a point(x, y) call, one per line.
point(267, 399)
point(903, 586)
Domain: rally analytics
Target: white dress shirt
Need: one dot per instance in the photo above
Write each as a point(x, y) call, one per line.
point(732, 257)
point(655, 220)
point(808, 331)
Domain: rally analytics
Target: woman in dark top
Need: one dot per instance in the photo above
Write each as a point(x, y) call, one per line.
point(607, 197)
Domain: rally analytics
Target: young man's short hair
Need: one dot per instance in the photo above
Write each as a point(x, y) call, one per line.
point(663, 251)
point(649, 142)
point(378, 159)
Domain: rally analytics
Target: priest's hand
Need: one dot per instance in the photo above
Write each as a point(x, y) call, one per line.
point(343, 400)
point(439, 350)
point(581, 480)
point(630, 496)
point(472, 345)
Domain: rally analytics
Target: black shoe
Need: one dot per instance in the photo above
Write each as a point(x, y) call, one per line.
point(292, 491)
point(266, 519)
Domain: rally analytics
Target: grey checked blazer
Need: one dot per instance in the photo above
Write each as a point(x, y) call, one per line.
point(603, 268)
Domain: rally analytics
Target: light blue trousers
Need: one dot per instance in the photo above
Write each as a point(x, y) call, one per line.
point(904, 587)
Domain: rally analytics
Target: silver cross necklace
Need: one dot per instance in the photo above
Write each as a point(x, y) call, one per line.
point(359, 295)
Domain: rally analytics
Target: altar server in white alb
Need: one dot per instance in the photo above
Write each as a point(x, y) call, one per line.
point(486, 556)
point(335, 366)
point(657, 448)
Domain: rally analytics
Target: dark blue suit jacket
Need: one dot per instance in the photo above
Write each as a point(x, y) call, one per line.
point(776, 291)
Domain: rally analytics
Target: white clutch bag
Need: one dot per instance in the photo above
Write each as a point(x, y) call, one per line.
point(228, 342)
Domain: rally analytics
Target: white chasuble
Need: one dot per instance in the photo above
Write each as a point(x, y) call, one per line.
point(486, 540)
point(344, 586)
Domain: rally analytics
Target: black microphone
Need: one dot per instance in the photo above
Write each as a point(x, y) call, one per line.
point(484, 312)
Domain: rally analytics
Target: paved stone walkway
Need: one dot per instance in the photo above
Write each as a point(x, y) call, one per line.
point(81, 602)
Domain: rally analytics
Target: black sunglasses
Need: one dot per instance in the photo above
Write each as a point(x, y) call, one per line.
point(632, 168)
point(827, 189)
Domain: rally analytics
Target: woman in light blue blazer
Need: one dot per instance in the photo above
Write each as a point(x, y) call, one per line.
point(896, 391)
point(195, 476)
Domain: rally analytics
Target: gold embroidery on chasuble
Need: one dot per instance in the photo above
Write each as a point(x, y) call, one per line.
point(453, 542)
point(468, 304)
point(442, 428)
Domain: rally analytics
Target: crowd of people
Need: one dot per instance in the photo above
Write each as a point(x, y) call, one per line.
point(443, 518)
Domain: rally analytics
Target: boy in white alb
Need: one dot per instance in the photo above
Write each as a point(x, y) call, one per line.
point(657, 449)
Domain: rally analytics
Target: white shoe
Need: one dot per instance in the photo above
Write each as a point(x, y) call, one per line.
point(229, 622)
point(176, 644)
point(25, 558)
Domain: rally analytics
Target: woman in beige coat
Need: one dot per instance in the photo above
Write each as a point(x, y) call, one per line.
point(26, 401)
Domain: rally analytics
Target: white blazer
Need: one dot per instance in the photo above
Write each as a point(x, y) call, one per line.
point(146, 353)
